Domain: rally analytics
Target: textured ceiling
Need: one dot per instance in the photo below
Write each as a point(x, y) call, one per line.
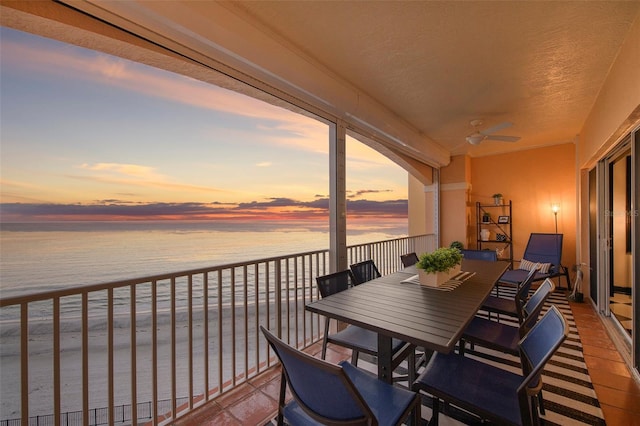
point(438, 65)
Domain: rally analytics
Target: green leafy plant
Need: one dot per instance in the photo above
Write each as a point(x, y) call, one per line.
point(440, 260)
point(456, 244)
point(497, 195)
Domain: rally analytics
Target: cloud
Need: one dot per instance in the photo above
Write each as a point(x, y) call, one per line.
point(135, 175)
point(264, 164)
point(72, 62)
point(133, 170)
point(278, 126)
point(369, 191)
point(270, 209)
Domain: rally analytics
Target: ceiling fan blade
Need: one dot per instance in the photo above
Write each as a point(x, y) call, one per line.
point(503, 138)
point(496, 128)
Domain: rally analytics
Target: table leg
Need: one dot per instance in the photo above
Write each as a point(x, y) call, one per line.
point(385, 358)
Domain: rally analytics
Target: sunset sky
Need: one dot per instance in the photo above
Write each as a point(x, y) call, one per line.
point(85, 135)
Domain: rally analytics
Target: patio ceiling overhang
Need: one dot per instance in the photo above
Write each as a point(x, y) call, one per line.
point(213, 39)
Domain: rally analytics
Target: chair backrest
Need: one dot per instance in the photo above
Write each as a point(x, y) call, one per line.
point(536, 348)
point(323, 390)
point(335, 283)
point(489, 255)
point(522, 295)
point(545, 248)
point(534, 305)
point(409, 259)
point(365, 271)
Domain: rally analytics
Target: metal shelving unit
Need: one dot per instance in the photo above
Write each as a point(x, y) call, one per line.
point(496, 221)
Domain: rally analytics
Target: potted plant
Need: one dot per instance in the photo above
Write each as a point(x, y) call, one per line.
point(497, 198)
point(457, 244)
point(439, 266)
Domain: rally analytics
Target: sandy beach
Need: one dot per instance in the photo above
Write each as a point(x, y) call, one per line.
point(41, 358)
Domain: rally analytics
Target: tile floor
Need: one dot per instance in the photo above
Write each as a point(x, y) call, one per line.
point(256, 402)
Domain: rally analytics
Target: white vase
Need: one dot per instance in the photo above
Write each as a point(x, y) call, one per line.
point(438, 278)
point(485, 234)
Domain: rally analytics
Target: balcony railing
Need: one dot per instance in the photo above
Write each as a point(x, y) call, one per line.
point(164, 344)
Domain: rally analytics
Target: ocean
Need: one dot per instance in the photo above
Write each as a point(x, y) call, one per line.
point(36, 257)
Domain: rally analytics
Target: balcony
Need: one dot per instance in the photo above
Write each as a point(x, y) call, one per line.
point(256, 403)
point(166, 344)
point(107, 354)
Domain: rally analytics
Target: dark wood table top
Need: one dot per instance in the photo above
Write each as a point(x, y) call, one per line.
point(423, 316)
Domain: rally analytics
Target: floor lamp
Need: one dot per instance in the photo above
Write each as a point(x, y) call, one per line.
point(555, 209)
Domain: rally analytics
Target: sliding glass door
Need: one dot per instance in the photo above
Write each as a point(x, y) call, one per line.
point(618, 217)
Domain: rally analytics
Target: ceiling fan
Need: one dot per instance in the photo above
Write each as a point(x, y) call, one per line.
point(488, 134)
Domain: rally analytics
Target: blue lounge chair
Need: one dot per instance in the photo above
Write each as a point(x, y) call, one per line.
point(328, 394)
point(545, 249)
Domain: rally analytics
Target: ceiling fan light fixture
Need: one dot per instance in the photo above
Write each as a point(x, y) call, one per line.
point(475, 139)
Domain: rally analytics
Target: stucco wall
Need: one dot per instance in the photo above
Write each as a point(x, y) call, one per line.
point(617, 107)
point(420, 222)
point(614, 114)
point(533, 180)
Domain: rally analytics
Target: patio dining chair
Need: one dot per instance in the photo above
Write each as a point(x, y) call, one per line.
point(489, 255)
point(365, 271)
point(329, 394)
point(504, 337)
point(511, 306)
point(490, 392)
point(356, 338)
point(409, 259)
point(545, 249)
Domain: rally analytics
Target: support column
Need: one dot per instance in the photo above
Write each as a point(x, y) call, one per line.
point(337, 197)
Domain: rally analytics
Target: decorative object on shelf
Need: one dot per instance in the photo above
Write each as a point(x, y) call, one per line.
point(439, 266)
point(485, 234)
point(497, 199)
point(503, 219)
point(486, 217)
point(500, 237)
point(457, 244)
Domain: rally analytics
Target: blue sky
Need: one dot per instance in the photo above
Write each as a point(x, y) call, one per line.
point(85, 135)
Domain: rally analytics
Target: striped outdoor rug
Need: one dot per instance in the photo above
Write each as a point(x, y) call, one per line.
point(569, 398)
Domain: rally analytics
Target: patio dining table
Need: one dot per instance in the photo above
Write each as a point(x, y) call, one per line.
point(397, 306)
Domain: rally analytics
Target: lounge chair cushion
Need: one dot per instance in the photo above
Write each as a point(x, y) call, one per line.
point(516, 276)
point(527, 265)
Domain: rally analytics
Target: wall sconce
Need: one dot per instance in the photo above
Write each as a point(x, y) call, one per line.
point(554, 209)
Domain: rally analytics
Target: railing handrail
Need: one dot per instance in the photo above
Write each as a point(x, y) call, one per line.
point(88, 288)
